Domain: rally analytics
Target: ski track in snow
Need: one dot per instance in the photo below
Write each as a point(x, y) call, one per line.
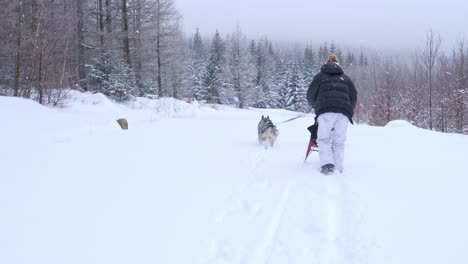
point(310, 208)
point(334, 204)
point(344, 226)
point(256, 160)
point(263, 251)
point(223, 250)
point(304, 222)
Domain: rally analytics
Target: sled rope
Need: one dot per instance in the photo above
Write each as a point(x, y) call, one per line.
point(291, 119)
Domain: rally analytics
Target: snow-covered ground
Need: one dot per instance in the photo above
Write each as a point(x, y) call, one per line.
point(190, 184)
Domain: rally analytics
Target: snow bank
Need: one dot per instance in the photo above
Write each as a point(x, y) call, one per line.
point(399, 124)
point(142, 109)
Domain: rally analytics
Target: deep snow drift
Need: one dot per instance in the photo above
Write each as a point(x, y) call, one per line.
point(190, 184)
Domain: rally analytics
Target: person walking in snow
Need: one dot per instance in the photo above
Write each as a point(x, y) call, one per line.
point(333, 96)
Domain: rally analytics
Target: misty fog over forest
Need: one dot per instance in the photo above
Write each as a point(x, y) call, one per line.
point(409, 60)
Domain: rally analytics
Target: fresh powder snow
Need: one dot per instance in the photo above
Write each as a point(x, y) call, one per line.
point(189, 183)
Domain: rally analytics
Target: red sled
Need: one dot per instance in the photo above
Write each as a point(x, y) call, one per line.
point(313, 129)
point(311, 147)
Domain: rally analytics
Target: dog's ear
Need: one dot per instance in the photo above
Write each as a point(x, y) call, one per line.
point(262, 117)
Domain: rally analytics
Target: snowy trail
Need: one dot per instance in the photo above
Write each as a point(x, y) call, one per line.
point(191, 184)
point(333, 215)
point(264, 249)
point(298, 215)
point(336, 228)
point(274, 206)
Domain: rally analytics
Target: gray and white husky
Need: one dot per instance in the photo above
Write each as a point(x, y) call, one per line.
point(267, 131)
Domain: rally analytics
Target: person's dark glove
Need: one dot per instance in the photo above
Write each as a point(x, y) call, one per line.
point(313, 130)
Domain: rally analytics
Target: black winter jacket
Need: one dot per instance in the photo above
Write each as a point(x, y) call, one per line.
point(332, 91)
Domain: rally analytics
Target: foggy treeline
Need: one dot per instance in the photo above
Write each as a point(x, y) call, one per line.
point(128, 48)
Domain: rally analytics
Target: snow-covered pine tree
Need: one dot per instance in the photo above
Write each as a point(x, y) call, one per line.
point(309, 56)
point(240, 72)
point(176, 75)
point(214, 71)
point(296, 89)
point(333, 48)
point(256, 53)
point(350, 59)
point(265, 79)
point(198, 68)
point(282, 80)
point(304, 81)
point(113, 77)
point(230, 93)
point(323, 53)
point(339, 54)
point(310, 64)
point(363, 59)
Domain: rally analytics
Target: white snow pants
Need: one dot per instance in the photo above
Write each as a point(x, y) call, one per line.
point(331, 148)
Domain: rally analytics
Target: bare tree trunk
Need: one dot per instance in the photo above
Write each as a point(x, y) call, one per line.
point(62, 76)
point(237, 67)
point(126, 40)
point(39, 79)
point(101, 25)
point(429, 57)
point(166, 23)
point(138, 48)
point(175, 82)
point(445, 93)
point(108, 25)
point(461, 86)
point(158, 47)
point(390, 77)
point(32, 72)
point(33, 14)
point(158, 78)
point(81, 48)
point(108, 16)
point(18, 49)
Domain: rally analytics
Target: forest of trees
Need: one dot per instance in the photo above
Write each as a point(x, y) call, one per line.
point(128, 48)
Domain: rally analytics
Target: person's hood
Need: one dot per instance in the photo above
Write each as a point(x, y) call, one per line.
point(332, 68)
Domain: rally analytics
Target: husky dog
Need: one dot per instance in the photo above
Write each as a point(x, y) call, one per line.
point(267, 131)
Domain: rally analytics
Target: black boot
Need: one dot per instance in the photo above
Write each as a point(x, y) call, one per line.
point(327, 169)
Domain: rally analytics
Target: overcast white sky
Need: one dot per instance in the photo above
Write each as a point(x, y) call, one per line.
point(375, 23)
